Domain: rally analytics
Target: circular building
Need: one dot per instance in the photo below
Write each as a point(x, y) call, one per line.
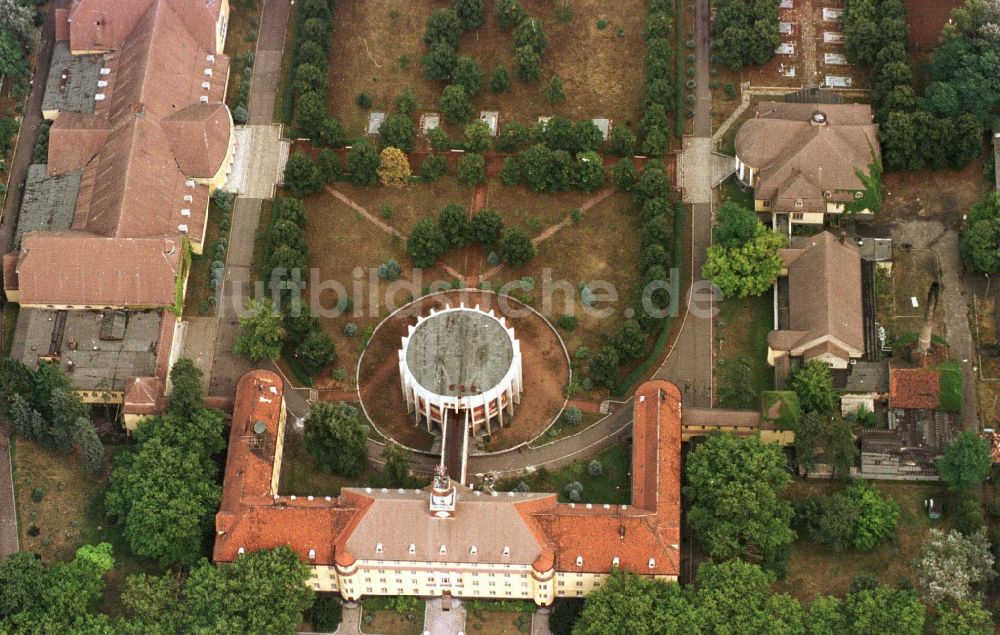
point(461, 363)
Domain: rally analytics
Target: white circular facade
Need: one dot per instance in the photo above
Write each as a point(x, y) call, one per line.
point(461, 364)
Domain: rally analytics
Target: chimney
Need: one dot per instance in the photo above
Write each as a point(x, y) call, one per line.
point(924, 340)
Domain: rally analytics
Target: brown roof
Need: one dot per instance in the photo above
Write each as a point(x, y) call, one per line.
point(103, 25)
point(915, 388)
point(797, 160)
point(77, 268)
point(199, 138)
point(824, 289)
point(645, 536)
point(143, 395)
point(75, 139)
point(159, 125)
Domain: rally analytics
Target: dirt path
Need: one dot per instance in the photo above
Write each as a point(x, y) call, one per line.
point(553, 230)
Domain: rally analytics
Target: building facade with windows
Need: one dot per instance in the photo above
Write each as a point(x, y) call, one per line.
point(448, 539)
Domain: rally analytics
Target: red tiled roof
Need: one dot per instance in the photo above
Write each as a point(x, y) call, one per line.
point(142, 396)
point(75, 139)
point(102, 25)
point(199, 138)
point(78, 268)
point(915, 388)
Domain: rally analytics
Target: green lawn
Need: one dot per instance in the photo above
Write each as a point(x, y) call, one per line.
point(951, 386)
point(741, 329)
point(612, 487)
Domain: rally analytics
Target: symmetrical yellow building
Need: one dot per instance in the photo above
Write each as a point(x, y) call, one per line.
point(449, 539)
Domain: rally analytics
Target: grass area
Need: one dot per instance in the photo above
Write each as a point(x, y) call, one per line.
point(407, 205)
point(534, 213)
point(200, 293)
point(241, 38)
point(70, 514)
point(561, 429)
point(612, 487)
point(951, 396)
point(602, 247)
point(9, 320)
point(817, 570)
point(741, 329)
point(380, 56)
point(302, 475)
point(393, 623)
point(498, 622)
point(727, 144)
point(343, 243)
point(731, 190)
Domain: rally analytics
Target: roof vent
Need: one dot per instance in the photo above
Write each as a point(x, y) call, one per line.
point(443, 550)
point(615, 561)
point(579, 561)
point(185, 212)
point(182, 228)
point(652, 563)
point(105, 71)
point(378, 548)
point(506, 550)
point(818, 118)
point(208, 72)
point(188, 198)
point(241, 551)
point(189, 182)
point(412, 549)
point(203, 99)
point(206, 85)
point(99, 97)
point(102, 83)
point(210, 58)
point(473, 551)
point(312, 554)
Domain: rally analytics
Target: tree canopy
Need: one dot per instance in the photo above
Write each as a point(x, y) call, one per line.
point(261, 332)
point(966, 461)
point(749, 269)
point(336, 435)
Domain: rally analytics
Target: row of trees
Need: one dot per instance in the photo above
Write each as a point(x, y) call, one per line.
point(651, 192)
point(429, 240)
point(41, 406)
point(735, 597)
point(261, 592)
point(980, 243)
point(944, 127)
point(311, 72)
point(264, 333)
point(661, 88)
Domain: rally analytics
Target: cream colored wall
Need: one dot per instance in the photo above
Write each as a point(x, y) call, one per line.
point(808, 218)
point(279, 449)
point(132, 421)
point(100, 396)
point(12, 295)
point(222, 27)
point(219, 178)
point(761, 205)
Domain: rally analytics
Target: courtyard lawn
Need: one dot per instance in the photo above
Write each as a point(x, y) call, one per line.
point(388, 622)
point(561, 429)
point(498, 622)
point(402, 207)
point(612, 487)
point(380, 55)
point(69, 514)
point(817, 570)
point(533, 213)
point(913, 271)
point(603, 247)
point(342, 243)
point(741, 329)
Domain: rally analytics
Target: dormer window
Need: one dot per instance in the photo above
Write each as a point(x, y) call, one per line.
point(798, 203)
point(412, 549)
point(506, 551)
point(579, 561)
point(652, 563)
point(378, 548)
point(473, 551)
point(615, 561)
point(443, 550)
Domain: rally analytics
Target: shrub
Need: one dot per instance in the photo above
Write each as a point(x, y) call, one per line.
point(499, 80)
point(439, 139)
point(331, 134)
point(625, 175)
point(455, 225)
point(527, 64)
point(439, 62)
point(477, 136)
point(363, 101)
point(487, 228)
point(553, 91)
point(604, 366)
point(389, 270)
point(393, 167)
point(574, 491)
point(426, 243)
point(622, 141)
point(568, 322)
point(468, 75)
point(510, 13)
point(443, 26)
point(572, 416)
point(398, 131)
point(406, 102)
point(516, 248)
point(363, 163)
point(240, 114)
point(37, 494)
point(471, 169)
point(595, 468)
point(531, 33)
point(434, 167)
point(513, 136)
point(471, 13)
point(350, 329)
point(455, 104)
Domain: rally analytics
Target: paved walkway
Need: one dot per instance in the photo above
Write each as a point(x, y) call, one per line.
point(689, 363)
point(262, 172)
point(441, 622)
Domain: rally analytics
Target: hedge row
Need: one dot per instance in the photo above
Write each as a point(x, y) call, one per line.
point(661, 79)
point(308, 81)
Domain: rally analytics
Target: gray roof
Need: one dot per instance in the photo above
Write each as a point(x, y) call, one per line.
point(48, 201)
point(868, 377)
point(76, 93)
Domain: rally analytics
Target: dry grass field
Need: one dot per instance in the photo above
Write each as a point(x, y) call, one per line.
point(378, 45)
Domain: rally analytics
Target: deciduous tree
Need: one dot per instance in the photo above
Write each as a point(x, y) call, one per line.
point(337, 437)
point(393, 167)
point(261, 332)
point(966, 461)
point(426, 244)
